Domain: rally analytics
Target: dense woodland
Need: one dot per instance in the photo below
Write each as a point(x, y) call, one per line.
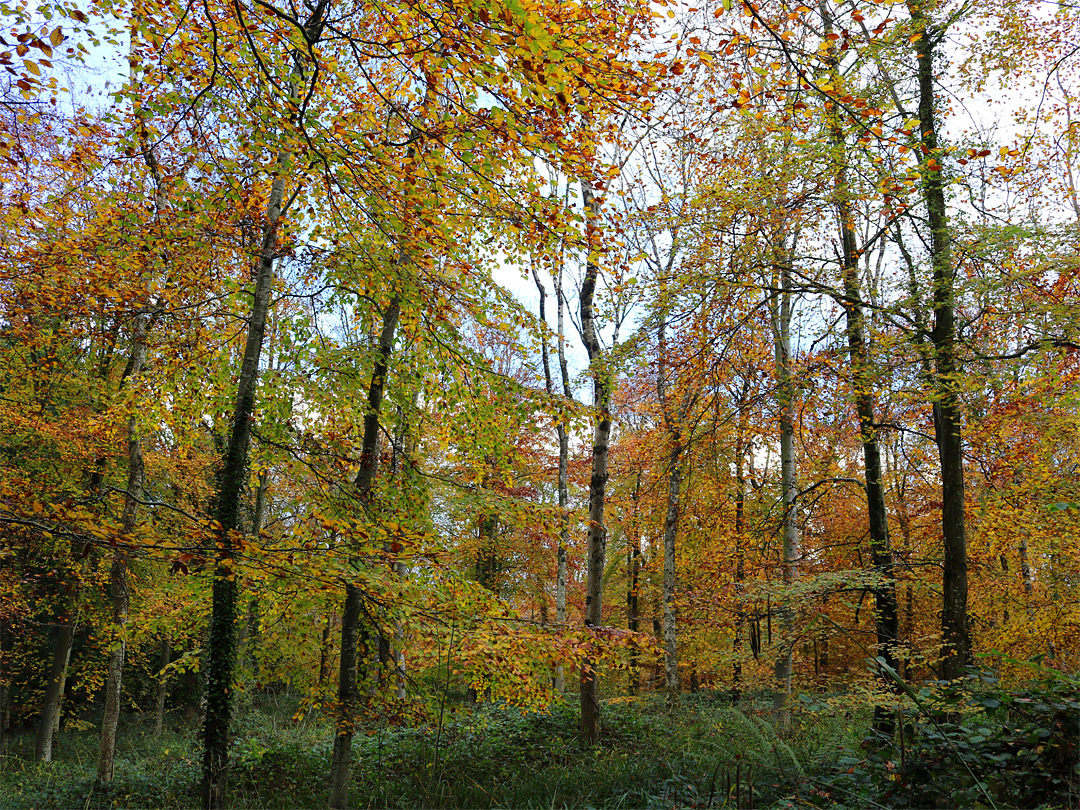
point(404, 401)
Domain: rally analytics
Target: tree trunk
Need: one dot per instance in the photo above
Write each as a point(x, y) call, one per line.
point(947, 419)
point(671, 526)
point(222, 646)
point(118, 574)
point(348, 698)
point(740, 553)
point(348, 695)
point(162, 686)
point(222, 642)
point(5, 698)
point(886, 619)
point(564, 456)
point(597, 537)
point(674, 424)
point(781, 322)
point(633, 619)
point(118, 579)
point(54, 691)
point(251, 628)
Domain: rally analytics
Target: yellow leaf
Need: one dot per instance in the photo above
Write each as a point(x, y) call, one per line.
point(56, 37)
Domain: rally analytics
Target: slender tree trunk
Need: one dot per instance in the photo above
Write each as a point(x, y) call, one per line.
point(118, 585)
point(348, 694)
point(886, 619)
point(947, 419)
point(564, 457)
point(54, 691)
point(403, 450)
point(1025, 574)
point(348, 698)
point(564, 481)
point(781, 320)
point(192, 699)
point(251, 630)
point(487, 559)
point(597, 537)
point(324, 651)
point(671, 527)
point(633, 564)
point(674, 425)
point(5, 699)
point(118, 573)
point(222, 646)
point(740, 553)
point(163, 685)
point(222, 642)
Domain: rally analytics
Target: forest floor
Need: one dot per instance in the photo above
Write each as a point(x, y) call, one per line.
point(708, 754)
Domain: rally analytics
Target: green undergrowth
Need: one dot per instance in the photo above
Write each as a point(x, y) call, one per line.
point(980, 747)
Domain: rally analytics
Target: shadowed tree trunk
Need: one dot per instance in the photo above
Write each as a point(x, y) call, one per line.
point(674, 424)
point(54, 690)
point(351, 654)
point(118, 579)
point(946, 405)
point(144, 321)
point(222, 644)
point(633, 567)
point(886, 618)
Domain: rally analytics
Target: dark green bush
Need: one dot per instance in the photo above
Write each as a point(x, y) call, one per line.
point(972, 745)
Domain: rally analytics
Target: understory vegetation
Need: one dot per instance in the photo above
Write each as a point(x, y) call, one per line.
point(971, 745)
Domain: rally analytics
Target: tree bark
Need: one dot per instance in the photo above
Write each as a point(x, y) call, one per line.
point(740, 552)
point(351, 613)
point(348, 698)
point(564, 457)
point(947, 419)
point(564, 482)
point(54, 691)
point(118, 585)
point(163, 685)
point(886, 618)
point(781, 312)
point(118, 579)
point(673, 423)
point(597, 537)
point(671, 527)
point(633, 565)
point(222, 647)
point(222, 650)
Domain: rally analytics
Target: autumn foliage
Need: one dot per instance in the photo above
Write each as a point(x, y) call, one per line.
point(809, 344)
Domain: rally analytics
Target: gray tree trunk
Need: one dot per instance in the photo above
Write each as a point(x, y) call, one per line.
point(597, 538)
point(673, 422)
point(54, 691)
point(163, 685)
point(671, 527)
point(781, 312)
point(118, 584)
point(564, 457)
